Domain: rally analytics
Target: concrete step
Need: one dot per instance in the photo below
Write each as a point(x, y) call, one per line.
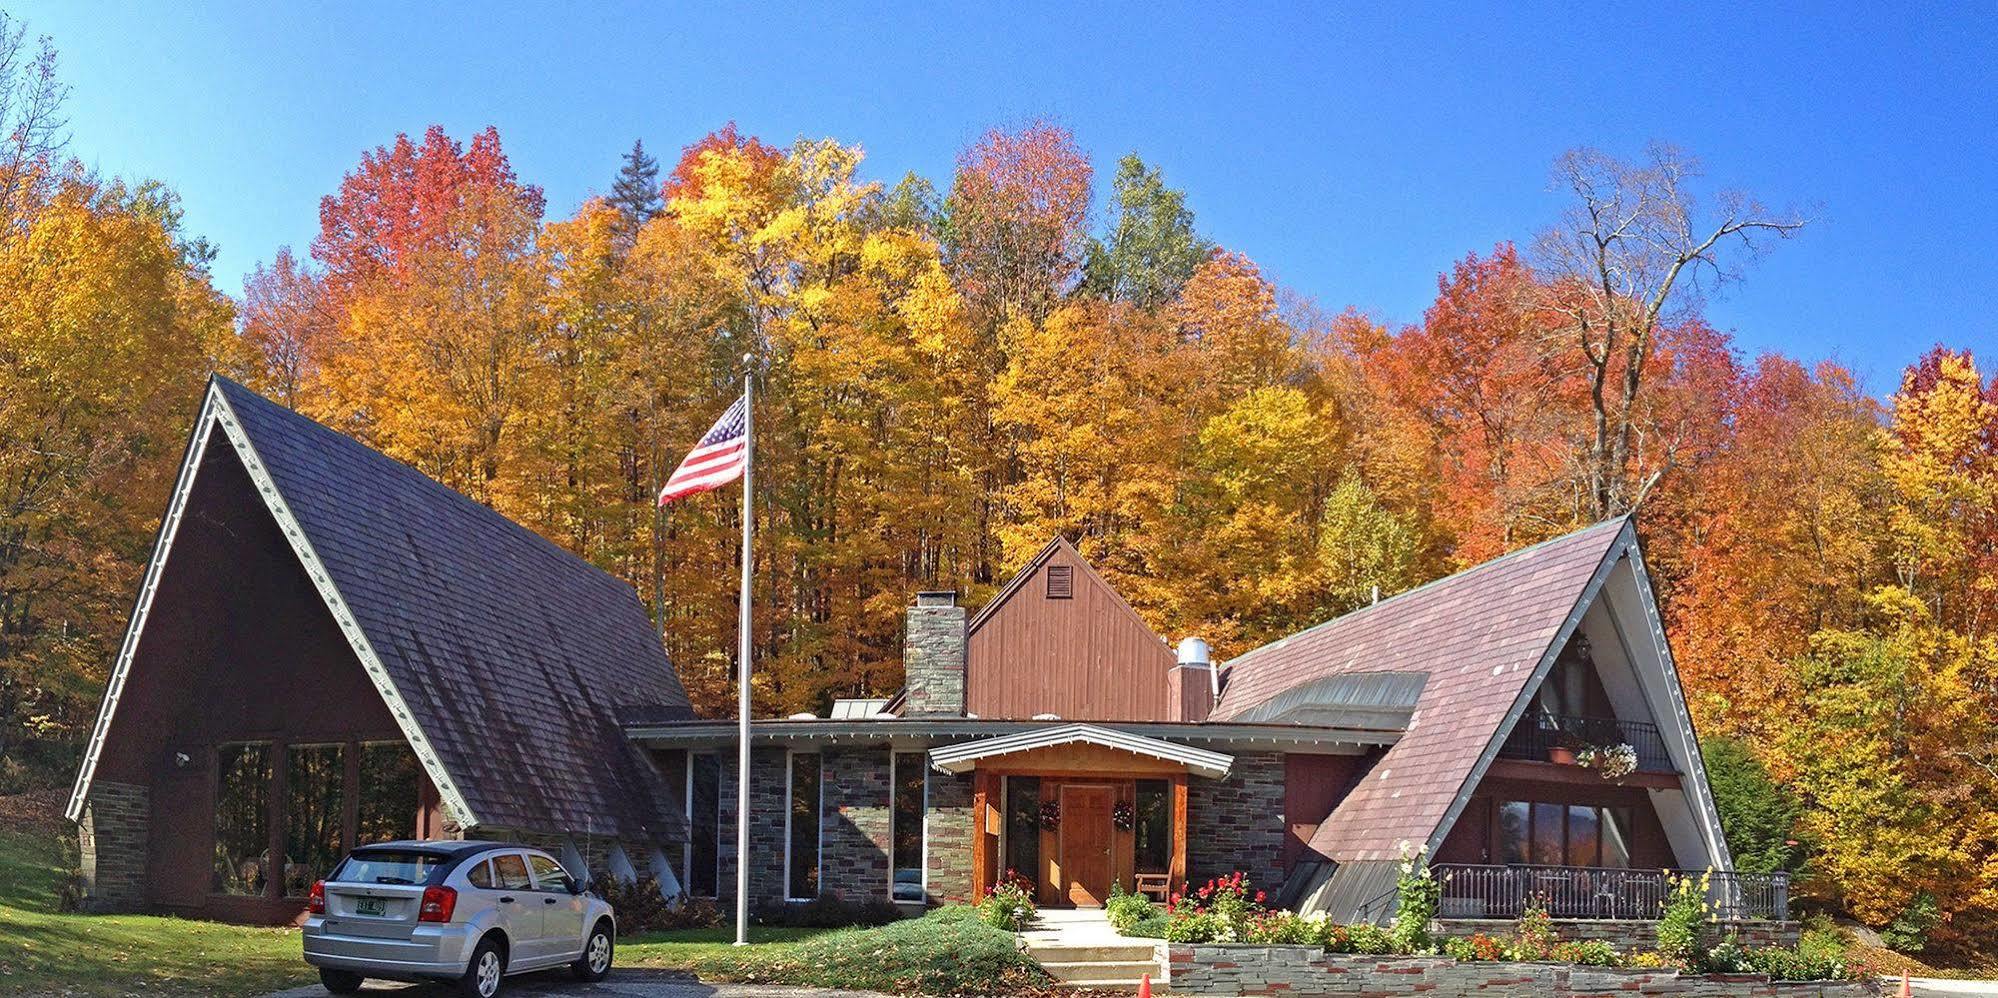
point(1084, 953)
point(1079, 971)
point(1117, 985)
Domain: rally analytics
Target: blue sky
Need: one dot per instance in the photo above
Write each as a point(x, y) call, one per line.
point(1353, 152)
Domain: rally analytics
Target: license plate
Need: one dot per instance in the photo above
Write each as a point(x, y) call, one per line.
point(370, 906)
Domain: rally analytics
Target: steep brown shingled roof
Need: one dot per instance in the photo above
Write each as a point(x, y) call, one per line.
point(1479, 635)
point(512, 655)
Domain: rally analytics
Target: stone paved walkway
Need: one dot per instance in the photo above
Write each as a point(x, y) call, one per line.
point(622, 983)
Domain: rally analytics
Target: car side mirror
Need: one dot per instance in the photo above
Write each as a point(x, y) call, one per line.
point(578, 886)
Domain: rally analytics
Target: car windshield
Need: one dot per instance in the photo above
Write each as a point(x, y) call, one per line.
point(389, 866)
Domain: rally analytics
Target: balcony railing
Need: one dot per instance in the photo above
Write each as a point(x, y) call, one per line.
point(1539, 733)
point(1597, 892)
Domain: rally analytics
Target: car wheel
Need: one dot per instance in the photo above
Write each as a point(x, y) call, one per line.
point(595, 963)
point(484, 974)
point(340, 982)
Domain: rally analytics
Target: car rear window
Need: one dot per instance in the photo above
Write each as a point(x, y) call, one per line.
point(384, 866)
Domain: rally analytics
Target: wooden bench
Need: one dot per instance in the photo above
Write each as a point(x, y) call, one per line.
point(1156, 886)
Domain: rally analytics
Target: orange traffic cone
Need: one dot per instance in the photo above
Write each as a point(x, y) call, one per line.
point(1906, 991)
point(1145, 986)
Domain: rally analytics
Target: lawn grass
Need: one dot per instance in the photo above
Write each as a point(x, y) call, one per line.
point(45, 952)
point(683, 949)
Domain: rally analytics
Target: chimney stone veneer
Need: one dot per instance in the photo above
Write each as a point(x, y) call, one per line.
point(933, 656)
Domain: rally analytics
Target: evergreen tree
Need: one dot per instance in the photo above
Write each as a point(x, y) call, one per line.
point(636, 190)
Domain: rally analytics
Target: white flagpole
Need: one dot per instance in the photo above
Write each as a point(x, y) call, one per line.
point(742, 669)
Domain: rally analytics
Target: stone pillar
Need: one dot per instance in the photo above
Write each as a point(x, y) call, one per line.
point(856, 825)
point(112, 844)
point(949, 838)
point(933, 656)
point(767, 811)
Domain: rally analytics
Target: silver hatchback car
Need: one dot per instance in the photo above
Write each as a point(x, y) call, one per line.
point(463, 912)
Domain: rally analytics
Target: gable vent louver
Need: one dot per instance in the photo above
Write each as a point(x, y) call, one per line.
point(1061, 582)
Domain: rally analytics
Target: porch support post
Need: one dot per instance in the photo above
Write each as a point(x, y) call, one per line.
point(981, 843)
point(1177, 873)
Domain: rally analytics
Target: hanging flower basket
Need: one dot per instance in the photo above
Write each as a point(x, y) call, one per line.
point(1051, 814)
point(1123, 815)
point(1611, 762)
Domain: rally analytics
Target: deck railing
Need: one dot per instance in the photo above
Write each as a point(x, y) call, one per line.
point(1598, 892)
point(1538, 732)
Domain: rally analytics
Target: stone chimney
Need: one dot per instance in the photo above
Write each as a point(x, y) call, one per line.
point(933, 656)
point(1190, 684)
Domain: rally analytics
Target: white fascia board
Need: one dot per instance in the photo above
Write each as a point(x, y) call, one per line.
point(961, 758)
point(294, 533)
point(142, 604)
point(1626, 541)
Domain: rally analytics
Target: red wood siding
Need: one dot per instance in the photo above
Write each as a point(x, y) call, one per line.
point(239, 647)
point(1312, 786)
point(1086, 658)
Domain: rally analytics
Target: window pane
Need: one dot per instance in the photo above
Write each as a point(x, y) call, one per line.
point(1616, 836)
point(1152, 827)
point(388, 793)
point(911, 779)
point(1023, 826)
point(242, 819)
point(481, 875)
point(549, 875)
point(379, 866)
point(804, 881)
point(705, 814)
point(1548, 848)
point(511, 872)
point(315, 783)
point(1582, 837)
point(1515, 832)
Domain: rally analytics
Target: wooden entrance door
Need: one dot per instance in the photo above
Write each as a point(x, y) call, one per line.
point(1085, 843)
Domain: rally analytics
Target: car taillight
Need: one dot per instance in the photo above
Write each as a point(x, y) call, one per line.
point(438, 903)
point(316, 904)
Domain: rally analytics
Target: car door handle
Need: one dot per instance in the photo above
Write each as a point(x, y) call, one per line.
point(547, 900)
point(506, 900)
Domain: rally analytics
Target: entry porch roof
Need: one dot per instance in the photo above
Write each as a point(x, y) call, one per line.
point(965, 756)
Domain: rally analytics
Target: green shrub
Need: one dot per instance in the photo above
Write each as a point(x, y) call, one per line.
point(1009, 906)
point(1193, 927)
point(1152, 926)
point(1588, 953)
point(1729, 957)
point(1796, 964)
point(641, 908)
point(1533, 935)
point(950, 951)
point(1417, 895)
point(1360, 937)
point(1126, 910)
point(1286, 928)
point(1477, 946)
point(1909, 931)
point(1220, 911)
point(1684, 919)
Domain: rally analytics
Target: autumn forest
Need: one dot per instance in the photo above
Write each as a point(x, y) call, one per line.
point(954, 369)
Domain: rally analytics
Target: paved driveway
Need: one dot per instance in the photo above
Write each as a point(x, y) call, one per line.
point(623, 983)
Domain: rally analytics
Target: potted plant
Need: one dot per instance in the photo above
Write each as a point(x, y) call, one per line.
point(1563, 749)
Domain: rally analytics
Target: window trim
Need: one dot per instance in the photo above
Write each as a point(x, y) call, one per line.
point(923, 858)
point(818, 808)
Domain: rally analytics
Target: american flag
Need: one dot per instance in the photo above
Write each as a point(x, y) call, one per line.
point(717, 460)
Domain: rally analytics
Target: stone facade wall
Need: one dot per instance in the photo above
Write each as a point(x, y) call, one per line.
point(950, 832)
point(112, 846)
point(1239, 969)
point(1238, 823)
point(1629, 934)
point(856, 828)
